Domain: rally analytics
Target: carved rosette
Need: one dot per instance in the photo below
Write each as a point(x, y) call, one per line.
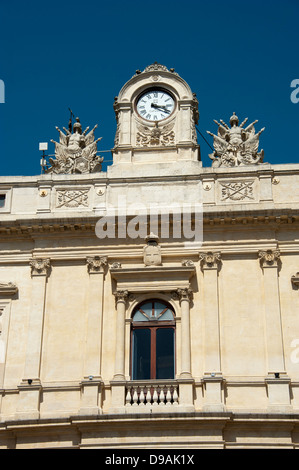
point(210, 260)
point(96, 264)
point(40, 266)
point(269, 258)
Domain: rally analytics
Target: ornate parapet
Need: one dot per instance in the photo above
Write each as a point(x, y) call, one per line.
point(236, 146)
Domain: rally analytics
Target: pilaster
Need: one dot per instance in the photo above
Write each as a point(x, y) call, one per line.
point(91, 384)
point(213, 380)
point(30, 387)
point(277, 381)
point(119, 381)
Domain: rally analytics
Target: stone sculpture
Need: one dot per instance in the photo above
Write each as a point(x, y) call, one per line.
point(236, 146)
point(76, 151)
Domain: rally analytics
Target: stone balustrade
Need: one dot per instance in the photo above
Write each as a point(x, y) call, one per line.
point(152, 393)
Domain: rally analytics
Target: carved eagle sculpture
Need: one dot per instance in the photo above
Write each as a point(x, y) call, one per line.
point(150, 136)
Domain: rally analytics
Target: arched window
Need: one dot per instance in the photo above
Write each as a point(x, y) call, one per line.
point(153, 341)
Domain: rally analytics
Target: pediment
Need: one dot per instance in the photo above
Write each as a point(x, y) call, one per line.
point(152, 278)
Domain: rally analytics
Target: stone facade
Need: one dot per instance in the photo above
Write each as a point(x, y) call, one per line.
point(67, 295)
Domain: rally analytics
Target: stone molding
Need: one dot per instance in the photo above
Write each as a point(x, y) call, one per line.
point(8, 289)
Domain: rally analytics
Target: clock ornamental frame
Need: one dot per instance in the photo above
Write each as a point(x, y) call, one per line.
point(152, 101)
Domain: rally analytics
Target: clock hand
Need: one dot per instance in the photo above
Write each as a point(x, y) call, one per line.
point(161, 107)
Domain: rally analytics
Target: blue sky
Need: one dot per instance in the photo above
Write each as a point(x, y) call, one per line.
point(237, 56)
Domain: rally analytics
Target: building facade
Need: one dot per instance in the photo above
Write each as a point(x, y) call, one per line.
point(156, 304)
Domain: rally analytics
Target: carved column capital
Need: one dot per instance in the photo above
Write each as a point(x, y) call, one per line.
point(40, 266)
point(184, 294)
point(96, 264)
point(121, 296)
point(269, 258)
point(210, 260)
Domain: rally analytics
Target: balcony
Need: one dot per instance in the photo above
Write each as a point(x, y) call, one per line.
point(152, 394)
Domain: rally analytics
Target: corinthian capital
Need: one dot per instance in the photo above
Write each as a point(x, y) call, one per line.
point(40, 266)
point(184, 294)
point(269, 258)
point(96, 264)
point(121, 295)
point(210, 260)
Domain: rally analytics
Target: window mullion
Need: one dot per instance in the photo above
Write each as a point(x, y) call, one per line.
point(153, 352)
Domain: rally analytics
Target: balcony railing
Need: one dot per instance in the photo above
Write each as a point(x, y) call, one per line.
point(152, 394)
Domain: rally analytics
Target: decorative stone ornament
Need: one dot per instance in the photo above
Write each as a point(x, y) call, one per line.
point(152, 251)
point(76, 151)
point(295, 280)
point(269, 258)
point(40, 266)
point(210, 260)
point(96, 264)
point(236, 146)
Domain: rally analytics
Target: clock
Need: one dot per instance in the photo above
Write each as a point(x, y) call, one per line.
point(155, 104)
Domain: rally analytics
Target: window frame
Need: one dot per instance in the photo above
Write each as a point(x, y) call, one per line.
point(153, 326)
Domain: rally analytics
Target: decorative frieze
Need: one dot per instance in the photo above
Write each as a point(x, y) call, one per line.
point(74, 198)
point(210, 260)
point(241, 190)
point(40, 266)
point(269, 258)
point(96, 264)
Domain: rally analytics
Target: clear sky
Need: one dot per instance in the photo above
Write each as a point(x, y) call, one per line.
point(236, 56)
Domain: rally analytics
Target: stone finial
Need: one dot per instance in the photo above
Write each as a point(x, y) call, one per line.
point(236, 146)
point(76, 151)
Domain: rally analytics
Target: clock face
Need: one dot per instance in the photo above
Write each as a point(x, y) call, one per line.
point(155, 105)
